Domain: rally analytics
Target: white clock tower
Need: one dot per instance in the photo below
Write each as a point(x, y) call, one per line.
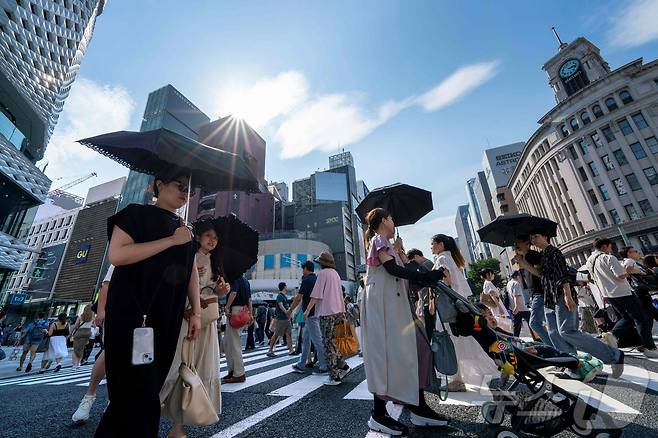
point(575, 66)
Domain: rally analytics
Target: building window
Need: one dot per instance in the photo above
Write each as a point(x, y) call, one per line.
point(563, 130)
point(65, 233)
point(572, 152)
point(645, 205)
point(608, 134)
point(504, 208)
point(604, 221)
point(620, 157)
point(631, 212)
point(633, 182)
point(619, 186)
point(638, 151)
point(611, 104)
point(625, 126)
point(639, 121)
point(592, 196)
point(615, 216)
point(584, 116)
point(269, 262)
point(593, 168)
point(607, 162)
point(285, 260)
point(596, 139)
point(653, 144)
point(651, 175)
point(625, 97)
point(584, 147)
point(574, 124)
point(500, 197)
point(583, 174)
point(597, 111)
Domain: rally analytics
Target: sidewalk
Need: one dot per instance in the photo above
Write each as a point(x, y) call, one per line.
point(8, 367)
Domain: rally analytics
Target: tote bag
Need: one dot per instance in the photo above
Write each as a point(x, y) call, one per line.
point(443, 352)
point(189, 402)
point(344, 340)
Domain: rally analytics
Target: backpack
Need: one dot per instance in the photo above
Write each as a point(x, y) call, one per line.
point(36, 332)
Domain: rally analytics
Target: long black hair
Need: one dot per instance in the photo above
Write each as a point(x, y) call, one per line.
point(450, 245)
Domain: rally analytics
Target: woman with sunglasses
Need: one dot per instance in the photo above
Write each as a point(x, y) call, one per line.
point(155, 271)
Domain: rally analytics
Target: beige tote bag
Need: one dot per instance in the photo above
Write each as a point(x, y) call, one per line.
point(189, 403)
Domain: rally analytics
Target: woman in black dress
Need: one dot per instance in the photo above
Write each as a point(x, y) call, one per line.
point(155, 271)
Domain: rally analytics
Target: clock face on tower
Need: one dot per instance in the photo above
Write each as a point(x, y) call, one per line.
point(569, 68)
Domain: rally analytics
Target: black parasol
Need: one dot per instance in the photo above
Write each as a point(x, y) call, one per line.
point(504, 230)
point(406, 204)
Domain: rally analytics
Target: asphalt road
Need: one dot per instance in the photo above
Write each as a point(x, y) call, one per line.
point(277, 403)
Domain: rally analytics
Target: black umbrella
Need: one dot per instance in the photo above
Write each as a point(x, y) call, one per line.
point(237, 250)
point(407, 204)
point(504, 230)
point(153, 151)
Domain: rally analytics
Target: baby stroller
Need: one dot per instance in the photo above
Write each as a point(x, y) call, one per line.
point(534, 405)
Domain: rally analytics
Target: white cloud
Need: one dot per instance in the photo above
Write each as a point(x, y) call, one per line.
point(636, 24)
point(457, 85)
point(91, 109)
point(266, 99)
point(301, 123)
point(419, 234)
point(329, 122)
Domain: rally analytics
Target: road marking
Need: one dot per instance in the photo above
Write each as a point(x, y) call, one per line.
point(31, 377)
point(293, 393)
point(50, 379)
point(589, 395)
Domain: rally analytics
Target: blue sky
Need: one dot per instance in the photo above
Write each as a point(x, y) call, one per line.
point(415, 90)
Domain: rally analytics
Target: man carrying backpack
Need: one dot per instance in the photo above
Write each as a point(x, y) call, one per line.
point(34, 334)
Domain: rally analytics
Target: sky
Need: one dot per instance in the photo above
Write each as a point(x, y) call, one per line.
point(414, 90)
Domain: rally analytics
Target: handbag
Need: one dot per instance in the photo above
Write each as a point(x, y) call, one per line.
point(443, 352)
point(189, 402)
point(209, 309)
point(344, 340)
point(241, 319)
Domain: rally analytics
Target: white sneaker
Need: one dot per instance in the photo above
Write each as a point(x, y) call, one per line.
point(82, 414)
point(650, 354)
point(331, 382)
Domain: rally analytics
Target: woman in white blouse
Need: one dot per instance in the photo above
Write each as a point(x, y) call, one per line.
point(475, 366)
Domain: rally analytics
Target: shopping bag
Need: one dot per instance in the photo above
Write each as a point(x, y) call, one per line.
point(344, 340)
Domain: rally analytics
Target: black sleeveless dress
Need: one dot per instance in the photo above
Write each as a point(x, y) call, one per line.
point(156, 286)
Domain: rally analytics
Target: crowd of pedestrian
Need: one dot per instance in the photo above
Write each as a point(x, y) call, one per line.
point(161, 318)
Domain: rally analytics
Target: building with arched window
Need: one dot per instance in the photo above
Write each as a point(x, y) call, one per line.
point(599, 178)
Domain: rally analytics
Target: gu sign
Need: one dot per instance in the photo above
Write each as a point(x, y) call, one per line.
point(82, 254)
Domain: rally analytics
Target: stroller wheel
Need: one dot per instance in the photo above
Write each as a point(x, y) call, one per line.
point(507, 434)
point(493, 414)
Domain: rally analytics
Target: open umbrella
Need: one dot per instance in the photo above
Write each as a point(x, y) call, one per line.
point(504, 230)
point(152, 151)
point(237, 250)
point(407, 204)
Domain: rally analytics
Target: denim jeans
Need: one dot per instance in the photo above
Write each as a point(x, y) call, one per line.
point(632, 317)
point(567, 322)
point(537, 319)
point(310, 334)
point(558, 342)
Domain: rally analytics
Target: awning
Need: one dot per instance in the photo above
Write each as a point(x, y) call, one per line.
point(12, 252)
point(29, 186)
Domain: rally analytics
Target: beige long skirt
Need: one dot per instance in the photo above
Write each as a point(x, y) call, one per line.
point(206, 361)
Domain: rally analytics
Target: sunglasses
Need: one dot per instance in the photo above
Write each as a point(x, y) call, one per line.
point(183, 188)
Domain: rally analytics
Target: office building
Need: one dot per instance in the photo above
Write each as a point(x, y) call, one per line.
point(41, 47)
point(464, 230)
point(83, 264)
point(592, 163)
point(325, 204)
point(167, 108)
point(498, 164)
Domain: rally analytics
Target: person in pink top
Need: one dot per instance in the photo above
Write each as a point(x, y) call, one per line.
point(327, 299)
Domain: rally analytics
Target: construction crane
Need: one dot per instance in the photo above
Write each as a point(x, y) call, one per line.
point(72, 183)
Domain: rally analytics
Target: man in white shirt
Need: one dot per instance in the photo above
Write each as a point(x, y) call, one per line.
point(610, 276)
point(518, 303)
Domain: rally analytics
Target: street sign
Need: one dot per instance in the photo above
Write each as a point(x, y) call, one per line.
point(37, 272)
point(17, 298)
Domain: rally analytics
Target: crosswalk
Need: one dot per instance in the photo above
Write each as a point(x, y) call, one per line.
point(262, 369)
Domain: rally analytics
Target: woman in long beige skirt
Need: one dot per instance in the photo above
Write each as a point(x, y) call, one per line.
point(206, 353)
